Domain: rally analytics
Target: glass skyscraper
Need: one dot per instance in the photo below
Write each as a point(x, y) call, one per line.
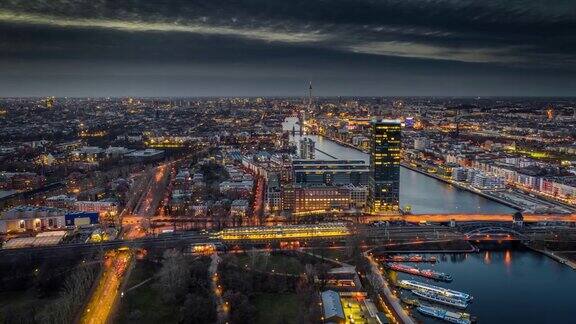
point(384, 182)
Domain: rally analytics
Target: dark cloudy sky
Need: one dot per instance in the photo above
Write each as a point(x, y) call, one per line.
point(273, 47)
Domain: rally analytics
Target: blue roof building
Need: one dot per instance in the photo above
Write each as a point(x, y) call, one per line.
point(332, 307)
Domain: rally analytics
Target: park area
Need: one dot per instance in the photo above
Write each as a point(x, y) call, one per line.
point(48, 291)
point(264, 287)
point(172, 288)
point(142, 304)
point(277, 308)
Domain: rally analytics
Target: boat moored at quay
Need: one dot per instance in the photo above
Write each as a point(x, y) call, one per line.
point(440, 299)
point(427, 273)
point(408, 258)
point(416, 285)
point(446, 315)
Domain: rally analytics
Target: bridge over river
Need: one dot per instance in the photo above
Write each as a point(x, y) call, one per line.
point(440, 218)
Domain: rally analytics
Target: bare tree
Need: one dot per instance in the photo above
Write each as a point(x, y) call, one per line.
point(174, 276)
point(310, 273)
point(72, 297)
point(253, 254)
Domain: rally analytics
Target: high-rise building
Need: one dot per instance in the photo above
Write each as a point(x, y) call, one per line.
point(384, 183)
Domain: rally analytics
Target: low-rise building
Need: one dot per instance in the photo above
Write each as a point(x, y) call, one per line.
point(21, 181)
point(32, 218)
point(81, 219)
point(273, 194)
point(242, 187)
point(61, 201)
point(147, 155)
point(486, 182)
point(199, 210)
point(459, 174)
point(101, 207)
point(560, 187)
point(321, 198)
point(239, 208)
point(332, 307)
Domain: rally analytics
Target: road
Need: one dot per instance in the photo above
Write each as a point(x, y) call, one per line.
point(382, 286)
point(101, 303)
point(135, 224)
point(258, 211)
point(149, 203)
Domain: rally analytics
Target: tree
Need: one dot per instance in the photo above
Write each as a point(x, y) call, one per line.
point(310, 273)
point(241, 311)
point(174, 276)
point(198, 309)
point(259, 259)
point(72, 297)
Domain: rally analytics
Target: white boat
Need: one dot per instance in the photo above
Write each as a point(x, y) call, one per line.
point(452, 317)
point(441, 299)
point(415, 285)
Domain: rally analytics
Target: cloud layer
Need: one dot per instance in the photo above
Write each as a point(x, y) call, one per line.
point(506, 34)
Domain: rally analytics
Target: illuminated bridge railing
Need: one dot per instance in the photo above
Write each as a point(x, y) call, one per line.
point(285, 232)
point(494, 232)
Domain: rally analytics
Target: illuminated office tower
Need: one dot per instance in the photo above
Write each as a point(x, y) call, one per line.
point(384, 183)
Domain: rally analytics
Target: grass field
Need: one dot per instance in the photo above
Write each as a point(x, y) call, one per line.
point(18, 299)
point(143, 305)
point(277, 308)
point(336, 254)
point(278, 263)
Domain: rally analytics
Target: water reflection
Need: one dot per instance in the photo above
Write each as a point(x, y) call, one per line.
point(507, 258)
point(507, 283)
point(487, 259)
point(424, 194)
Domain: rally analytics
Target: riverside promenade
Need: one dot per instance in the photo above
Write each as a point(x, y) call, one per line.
point(381, 285)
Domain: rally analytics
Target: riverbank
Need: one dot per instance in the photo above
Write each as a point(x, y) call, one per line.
point(434, 176)
point(342, 143)
point(381, 286)
point(452, 246)
point(459, 186)
point(420, 190)
point(506, 282)
point(555, 256)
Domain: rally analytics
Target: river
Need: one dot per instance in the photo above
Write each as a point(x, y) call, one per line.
point(425, 195)
point(509, 285)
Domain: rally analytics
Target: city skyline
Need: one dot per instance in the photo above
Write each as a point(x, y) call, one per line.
point(232, 216)
point(303, 161)
point(263, 48)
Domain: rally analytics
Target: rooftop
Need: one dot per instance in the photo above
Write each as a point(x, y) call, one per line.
point(331, 305)
point(26, 210)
